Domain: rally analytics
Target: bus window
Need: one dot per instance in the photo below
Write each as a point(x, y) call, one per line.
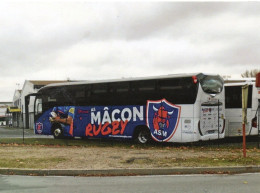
point(119, 87)
point(39, 108)
point(118, 93)
point(58, 97)
point(99, 91)
point(233, 97)
point(38, 104)
point(78, 94)
point(143, 90)
point(178, 90)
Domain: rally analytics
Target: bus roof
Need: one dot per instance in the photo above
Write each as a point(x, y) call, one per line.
point(239, 84)
point(123, 79)
point(239, 80)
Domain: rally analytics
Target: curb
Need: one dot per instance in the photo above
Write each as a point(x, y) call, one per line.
point(132, 172)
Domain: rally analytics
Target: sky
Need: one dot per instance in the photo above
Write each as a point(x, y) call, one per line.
point(88, 40)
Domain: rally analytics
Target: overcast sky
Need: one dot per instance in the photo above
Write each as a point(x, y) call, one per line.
point(89, 41)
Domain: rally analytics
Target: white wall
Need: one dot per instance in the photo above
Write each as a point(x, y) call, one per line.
point(27, 89)
point(2, 111)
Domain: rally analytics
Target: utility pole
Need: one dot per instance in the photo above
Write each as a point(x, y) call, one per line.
point(244, 115)
point(257, 84)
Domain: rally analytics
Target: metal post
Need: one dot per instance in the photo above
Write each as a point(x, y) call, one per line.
point(23, 134)
point(244, 115)
point(218, 119)
point(218, 122)
point(244, 140)
point(258, 124)
point(257, 84)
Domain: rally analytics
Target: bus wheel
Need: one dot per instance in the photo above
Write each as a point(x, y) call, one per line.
point(143, 135)
point(57, 132)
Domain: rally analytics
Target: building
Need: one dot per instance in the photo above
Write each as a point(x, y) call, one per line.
point(15, 109)
point(5, 117)
point(23, 102)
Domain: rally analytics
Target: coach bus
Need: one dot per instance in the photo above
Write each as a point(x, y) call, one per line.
point(173, 108)
point(233, 105)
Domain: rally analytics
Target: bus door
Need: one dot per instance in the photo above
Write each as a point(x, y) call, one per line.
point(211, 121)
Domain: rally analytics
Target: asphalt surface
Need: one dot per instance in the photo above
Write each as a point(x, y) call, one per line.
point(9, 132)
point(239, 183)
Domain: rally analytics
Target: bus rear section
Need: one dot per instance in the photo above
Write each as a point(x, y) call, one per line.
point(202, 117)
point(211, 124)
point(212, 121)
point(233, 108)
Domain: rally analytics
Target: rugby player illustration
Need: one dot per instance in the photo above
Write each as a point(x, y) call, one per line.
point(64, 116)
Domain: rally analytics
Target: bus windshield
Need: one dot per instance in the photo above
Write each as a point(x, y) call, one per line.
point(211, 84)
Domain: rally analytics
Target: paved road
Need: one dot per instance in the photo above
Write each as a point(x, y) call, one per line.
point(137, 184)
point(6, 132)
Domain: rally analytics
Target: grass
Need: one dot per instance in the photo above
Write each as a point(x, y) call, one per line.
point(44, 141)
point(206, 162)
point(78, 142)
point(49, 153)
point(118, 143)
point(40, 163)
point(218, 160)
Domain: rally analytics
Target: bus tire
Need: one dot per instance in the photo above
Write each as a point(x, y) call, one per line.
point(57, 131)
point(142, 135)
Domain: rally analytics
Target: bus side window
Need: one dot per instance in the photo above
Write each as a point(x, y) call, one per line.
point(39, 108)
point(144, 90)
point(79, 95)
point(87, 98)
point(99, 93)
point(178, 90)
point(118, 93)
point(233, 97)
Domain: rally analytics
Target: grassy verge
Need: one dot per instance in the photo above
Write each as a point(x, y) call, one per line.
point(113, 143)
point(39, 163)
point(44, 141)
point(197, 161)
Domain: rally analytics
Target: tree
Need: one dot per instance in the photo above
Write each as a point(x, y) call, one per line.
point(251, 73)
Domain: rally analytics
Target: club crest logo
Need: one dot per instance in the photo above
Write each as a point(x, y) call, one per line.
point(162, 118)
point(39, 128)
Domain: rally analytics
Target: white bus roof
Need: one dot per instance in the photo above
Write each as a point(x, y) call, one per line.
point(123, 79)
point(239, 80)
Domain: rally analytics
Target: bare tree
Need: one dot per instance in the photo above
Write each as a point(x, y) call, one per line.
point(251, 73)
